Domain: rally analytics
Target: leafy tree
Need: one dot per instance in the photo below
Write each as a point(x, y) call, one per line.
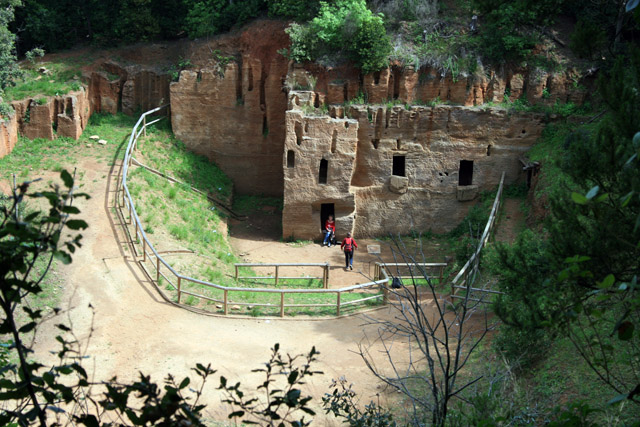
point(344, 29)
point(508, 28)
point(299, 10)
point(528, 296)
point(8, 67)
point(209, 17)
point(591, 266)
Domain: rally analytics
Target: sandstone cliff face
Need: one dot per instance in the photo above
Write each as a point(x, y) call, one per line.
point(130, 89)
point(8, 134)
point(133, 89)
point(318, 164)
point(427, 85)
point(391, 170)
point(235, 117)
point(47, 117)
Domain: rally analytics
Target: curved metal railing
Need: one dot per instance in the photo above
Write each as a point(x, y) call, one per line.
point(149, 251)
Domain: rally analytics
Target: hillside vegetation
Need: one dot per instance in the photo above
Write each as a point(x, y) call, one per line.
point(567, 348)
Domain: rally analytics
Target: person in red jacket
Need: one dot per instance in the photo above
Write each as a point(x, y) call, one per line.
point(329, 230)
point(349, 246)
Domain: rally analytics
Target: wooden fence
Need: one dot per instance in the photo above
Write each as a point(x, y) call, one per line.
point(176, 280)
point(462, 279)
point(411, 267)
point(277, 277)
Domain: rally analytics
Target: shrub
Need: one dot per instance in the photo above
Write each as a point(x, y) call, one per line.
point(345, 29)
point(507, 30)
point(299, 10)
point(209, 17)
point(587, 39)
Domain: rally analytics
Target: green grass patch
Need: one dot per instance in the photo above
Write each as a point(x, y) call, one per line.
point(63, 76)
point(245, 204)
point(180, 218)
point(30, 158)
point(163, 151)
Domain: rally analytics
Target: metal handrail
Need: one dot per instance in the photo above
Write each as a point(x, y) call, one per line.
point(146, 244)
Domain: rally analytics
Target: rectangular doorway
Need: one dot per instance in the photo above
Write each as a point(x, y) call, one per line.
point(465, 174)
point(326, 209)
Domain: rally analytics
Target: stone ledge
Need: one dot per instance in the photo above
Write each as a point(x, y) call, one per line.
point(466, 192)
point(398, 184)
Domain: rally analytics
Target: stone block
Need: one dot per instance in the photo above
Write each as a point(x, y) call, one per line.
point(398, 184)
point(467, 192)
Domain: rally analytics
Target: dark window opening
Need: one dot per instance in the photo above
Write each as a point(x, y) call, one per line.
point(488, 150)
point(524, 131)
point(375, 143)
point(398, 166)
point(250, 80)
point(265, 127)
point(334, 140)
point(397, 144)
point(326, 209)
point(316, 100)
point(324, 168)
point(376, 77)
point(465, 175)
point(291, 158)
point(306, 127)
point(298, 133)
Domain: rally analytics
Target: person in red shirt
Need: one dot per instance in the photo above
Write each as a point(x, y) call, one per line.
point(329, 230)
point(349, 246)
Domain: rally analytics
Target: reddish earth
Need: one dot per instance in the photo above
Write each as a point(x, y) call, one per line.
point(126, 327)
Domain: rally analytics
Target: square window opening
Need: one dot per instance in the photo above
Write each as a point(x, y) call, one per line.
point(465, 174)
point(399, 166)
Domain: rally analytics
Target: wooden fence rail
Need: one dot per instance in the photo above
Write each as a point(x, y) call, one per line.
point(277, 276)
point(163, 269)
point(411, 266)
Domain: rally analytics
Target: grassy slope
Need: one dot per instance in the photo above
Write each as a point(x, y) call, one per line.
point(177, 218)
point(39, 158)
point(62, 76)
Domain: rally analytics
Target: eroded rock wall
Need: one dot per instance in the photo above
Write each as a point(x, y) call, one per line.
point(235, 117)
point(131, 89)
point(318, 163)
point(8, 134)
point(429, 85)
point(48, 117)
point(403, 171)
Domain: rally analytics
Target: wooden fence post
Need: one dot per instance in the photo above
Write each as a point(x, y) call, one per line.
point(281, 304)
point(179, 294)
point(276, 275)
point(236, 272)
point(144, 125)
point(226, 302)
point(144, 250)
point(325, 276)
point(158, 269)
point(338, 304)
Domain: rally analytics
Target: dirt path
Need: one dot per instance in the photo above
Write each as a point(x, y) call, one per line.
point(128, 327)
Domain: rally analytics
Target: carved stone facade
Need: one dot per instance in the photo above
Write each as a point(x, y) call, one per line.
point(383, 170)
